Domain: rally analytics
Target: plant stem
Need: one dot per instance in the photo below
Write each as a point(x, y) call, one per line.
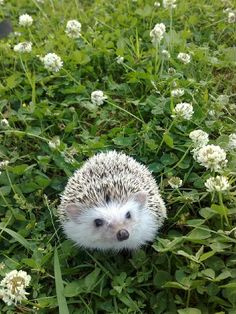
point(167, 131)
point(156, 58)
point(188, 298)
point(122, 109)
point(68, 73)
point(31, 79)
point(224, 208)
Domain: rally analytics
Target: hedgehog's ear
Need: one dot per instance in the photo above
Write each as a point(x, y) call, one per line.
point(140, 198)
point(72, 211)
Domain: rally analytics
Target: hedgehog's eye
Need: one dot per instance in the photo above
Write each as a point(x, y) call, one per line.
point(128, 215)
point(98, 222)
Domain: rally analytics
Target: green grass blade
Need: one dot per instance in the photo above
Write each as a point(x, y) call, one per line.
point(17, 237)
point(63, 308)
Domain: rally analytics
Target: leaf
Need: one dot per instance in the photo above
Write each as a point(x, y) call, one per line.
point(195, 222)
point(42, 180)
point(231, 285)
point(189, 310)
point(80, 57)
point(63, 308)
point(225, 274)
point(74, 288)
point(144, 11)
point(169, 159)
point(30, 262)
point(199, 234)
point(29, 187)
point(160, 278)
point(17, 237)
point(168, 140)
point(167, 245)
point(183, 278)
point(185, 254)
point(219, 209)
point(129, 302)
point(19, 169)
point(13, 80)
point(208, 273)
point(123, 141)
point(5, 190)
point(174, 284)
point(91, 279)
point(206, 255)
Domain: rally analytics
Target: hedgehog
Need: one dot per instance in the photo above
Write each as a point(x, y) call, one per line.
point(111, 202)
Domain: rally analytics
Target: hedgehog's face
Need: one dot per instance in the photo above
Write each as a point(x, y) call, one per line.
point(112, 226)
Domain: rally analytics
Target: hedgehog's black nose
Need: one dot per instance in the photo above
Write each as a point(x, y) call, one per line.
point(122, 235)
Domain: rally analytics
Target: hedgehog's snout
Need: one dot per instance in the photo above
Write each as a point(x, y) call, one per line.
point(122, 235)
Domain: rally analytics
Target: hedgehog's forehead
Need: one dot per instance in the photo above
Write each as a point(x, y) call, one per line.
point(114, 210)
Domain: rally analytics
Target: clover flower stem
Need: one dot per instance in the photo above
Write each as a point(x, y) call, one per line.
point(178, 212)
point(137, 45)
point(10, 182)
point(188, 298)
point(122, 109)
point(87, 42)
point(40, 9)
point(32, 38)
point(31, 80)
point(222, 204)
point(167, 131)
point(68, 73)
point(128, 67)
point(181, 159)
point(156, 58)
point(171, 27)
point(25, 133)
point(161, 70)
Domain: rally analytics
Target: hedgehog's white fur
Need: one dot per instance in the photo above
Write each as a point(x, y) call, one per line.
point(107, 187)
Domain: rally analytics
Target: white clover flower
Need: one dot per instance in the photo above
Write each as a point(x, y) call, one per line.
point(52, 62)
point(2, 266)
point(4, 123)
point(175, 182)
point(183, 111)
point(171, 71)
point(1, 2)
point(199, 138)
point(157, 4)
point(165, 53)
point(4, 164)
point(157, 33)
point(184, 57)
point(222, 100)
point(232, 141)
point(212, 157)
point(17, 34)
point(169, 4)
point(177, 92)
point(231, 17)
point(54, 143)
point(25, 20)
point(218, 183)
point(23, 47)
point(212, 113)
point(13, 287)
point(73, 29)
point(98, 97)
point(119, 59)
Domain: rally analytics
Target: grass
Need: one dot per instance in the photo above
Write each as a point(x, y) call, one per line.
point(190, 268)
